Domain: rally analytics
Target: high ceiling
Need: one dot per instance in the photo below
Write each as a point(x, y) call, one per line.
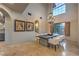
point(17, 7)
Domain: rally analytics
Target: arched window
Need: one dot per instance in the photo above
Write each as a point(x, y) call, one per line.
point(37, 26)
point(59, 8)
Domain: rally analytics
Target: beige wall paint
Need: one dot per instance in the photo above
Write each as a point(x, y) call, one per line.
point(71, 15)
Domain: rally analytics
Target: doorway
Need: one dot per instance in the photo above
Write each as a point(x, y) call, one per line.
point(2, 26)
point(5, 25)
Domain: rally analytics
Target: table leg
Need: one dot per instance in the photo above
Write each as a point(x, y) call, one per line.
point(48, 45)
point(55, 47)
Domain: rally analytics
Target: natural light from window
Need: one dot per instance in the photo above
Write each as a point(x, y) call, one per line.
point(59, 8)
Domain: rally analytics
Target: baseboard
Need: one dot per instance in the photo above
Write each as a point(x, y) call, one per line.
point(15, 42)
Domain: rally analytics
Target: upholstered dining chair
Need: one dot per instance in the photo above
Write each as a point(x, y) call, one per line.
point(55, 41)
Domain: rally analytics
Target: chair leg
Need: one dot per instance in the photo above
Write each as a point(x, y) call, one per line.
point(58, 45)
point(52, 46)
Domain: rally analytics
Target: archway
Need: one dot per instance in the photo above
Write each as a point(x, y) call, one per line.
point(5, 21)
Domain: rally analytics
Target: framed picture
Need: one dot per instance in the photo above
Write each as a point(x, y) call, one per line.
point(19, 25)
point(29, 26)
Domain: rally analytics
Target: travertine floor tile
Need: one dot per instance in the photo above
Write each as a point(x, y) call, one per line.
point(36, 49)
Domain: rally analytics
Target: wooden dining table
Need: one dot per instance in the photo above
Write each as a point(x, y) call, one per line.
point(43, 39)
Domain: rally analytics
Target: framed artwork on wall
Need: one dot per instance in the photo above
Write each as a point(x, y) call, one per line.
point(19, 25)
point(29, 26)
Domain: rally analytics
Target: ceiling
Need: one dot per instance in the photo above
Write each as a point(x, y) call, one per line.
point(17, 7)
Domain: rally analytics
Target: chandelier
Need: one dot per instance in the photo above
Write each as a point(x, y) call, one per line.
point(50, 18)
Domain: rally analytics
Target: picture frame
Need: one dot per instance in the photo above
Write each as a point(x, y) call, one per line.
point(29, 26)
point(19, 25)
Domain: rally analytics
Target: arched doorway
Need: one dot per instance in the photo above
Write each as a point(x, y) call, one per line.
point(5, 20)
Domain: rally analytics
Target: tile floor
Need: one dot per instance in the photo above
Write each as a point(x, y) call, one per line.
point(35, 49)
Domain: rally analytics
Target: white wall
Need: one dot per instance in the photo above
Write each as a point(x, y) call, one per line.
point(72, 16)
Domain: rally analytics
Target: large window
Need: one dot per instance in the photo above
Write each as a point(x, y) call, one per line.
point(59, 28)
point(59, 8)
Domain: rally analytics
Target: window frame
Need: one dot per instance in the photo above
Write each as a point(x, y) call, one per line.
point(56, 8)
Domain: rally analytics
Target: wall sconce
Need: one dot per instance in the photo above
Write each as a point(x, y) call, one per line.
point(37, 26)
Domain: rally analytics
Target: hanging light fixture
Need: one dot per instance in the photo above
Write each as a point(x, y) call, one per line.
point(50, 16)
